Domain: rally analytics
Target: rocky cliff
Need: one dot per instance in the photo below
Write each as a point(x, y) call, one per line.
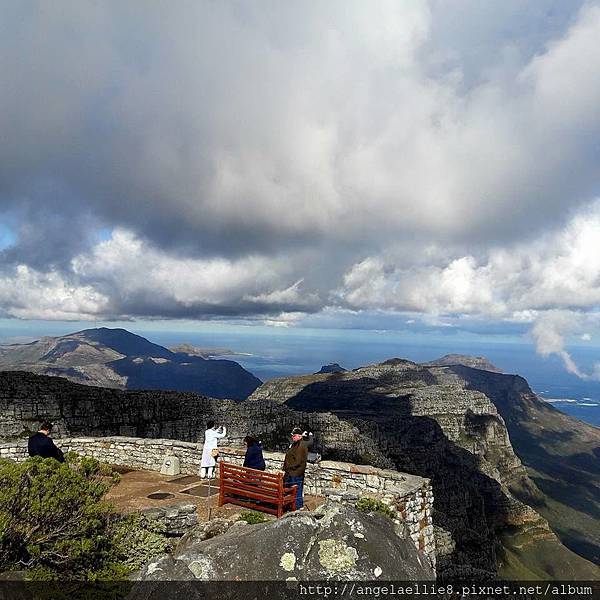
point(475, 362)
point(80, 410)
point(561, 455)
point(448, 423)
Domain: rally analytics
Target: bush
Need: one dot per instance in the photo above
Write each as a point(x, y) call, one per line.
point(374, 505)
point(253, 517)
point(54, 523)
point(137, 540)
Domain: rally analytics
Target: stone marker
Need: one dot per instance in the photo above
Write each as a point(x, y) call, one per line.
point(170, 466)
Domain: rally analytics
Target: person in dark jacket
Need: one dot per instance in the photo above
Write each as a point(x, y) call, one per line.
point(254, 456)
point(294, 464)
point(41, 444)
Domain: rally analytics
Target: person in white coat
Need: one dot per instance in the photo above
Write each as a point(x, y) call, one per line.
point(211, 437)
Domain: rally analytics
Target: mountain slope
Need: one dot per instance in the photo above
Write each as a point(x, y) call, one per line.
point(561, 455)
point(120, 359)
point(433, 422)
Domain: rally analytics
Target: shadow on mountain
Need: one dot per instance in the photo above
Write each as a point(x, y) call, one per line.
point(559, 453)
point(564, 492)
point(216, 378)
point(469, 505)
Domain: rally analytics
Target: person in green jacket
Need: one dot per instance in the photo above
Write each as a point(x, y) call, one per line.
point(294, 464)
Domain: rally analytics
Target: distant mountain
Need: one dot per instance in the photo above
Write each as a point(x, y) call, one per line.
point(120, 359)
point(200, 351)
point(331, 368)
point(475, 362)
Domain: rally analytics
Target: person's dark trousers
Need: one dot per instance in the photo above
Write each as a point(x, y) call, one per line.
point(299, 481)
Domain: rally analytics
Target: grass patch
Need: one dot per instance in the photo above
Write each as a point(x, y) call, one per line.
point(374, 505)
point(253, 517)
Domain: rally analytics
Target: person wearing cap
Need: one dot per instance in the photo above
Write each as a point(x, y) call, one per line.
point(41, 444)
point(294, 464)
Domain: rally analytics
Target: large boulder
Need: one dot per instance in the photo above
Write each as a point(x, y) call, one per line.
point(335, 542)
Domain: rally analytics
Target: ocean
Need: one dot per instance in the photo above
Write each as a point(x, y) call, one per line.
point(269, 353)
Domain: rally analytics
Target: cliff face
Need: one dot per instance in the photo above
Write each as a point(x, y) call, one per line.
point(560, 453)
point(448, 424)
point(80, 410)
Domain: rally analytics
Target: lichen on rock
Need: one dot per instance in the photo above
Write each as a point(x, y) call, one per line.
point(288, 561)
point(336, 556)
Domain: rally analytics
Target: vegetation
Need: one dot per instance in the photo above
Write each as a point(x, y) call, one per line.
point(54, 523)
point(375, 505)
point(253, 517)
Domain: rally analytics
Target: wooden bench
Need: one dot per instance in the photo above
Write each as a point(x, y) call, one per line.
point(241, 485)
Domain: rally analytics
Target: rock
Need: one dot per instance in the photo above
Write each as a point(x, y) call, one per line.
point(331, 368)
point(475, 362)
point(170, 466)
point(335, 542)
point(204, 531)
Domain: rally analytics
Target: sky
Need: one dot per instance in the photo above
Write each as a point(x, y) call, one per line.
point(418, 165)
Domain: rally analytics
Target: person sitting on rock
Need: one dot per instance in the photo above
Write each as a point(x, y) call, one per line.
point(254, 457)
point(294, 464)
point(41, 444)
point(209, 450)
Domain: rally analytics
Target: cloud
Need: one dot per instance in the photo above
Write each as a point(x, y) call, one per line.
point(432, 162)
point(554, 271)
point(28, 294)
point(319, 122)
point(143, 281)
point(549, 333)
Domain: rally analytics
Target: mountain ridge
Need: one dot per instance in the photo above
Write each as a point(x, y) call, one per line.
point(120, 359)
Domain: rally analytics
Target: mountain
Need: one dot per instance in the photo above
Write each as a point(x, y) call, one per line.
point(497, 507)
point(331, 368)
point(203, 352)
point(475, 362)
point(560, 453)
point(120, 359)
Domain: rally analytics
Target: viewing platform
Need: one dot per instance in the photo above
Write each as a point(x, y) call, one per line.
point(182, 499)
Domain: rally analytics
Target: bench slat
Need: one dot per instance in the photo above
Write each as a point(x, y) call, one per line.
point(251, 473)
point(258, 494)
point(255, 493)
point(252, 481)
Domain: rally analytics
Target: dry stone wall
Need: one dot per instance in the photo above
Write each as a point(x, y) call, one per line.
point(410, 496)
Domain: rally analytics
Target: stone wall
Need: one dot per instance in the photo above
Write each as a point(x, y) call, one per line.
point(410, 496)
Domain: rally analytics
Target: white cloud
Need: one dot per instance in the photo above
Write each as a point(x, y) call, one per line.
point(28, 294)
point(140, 277)
point(555, 271)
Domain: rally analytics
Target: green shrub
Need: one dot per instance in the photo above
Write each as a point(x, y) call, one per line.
point(137, 539)
point(253, 517)
point(54, 523)
point(374, 505)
